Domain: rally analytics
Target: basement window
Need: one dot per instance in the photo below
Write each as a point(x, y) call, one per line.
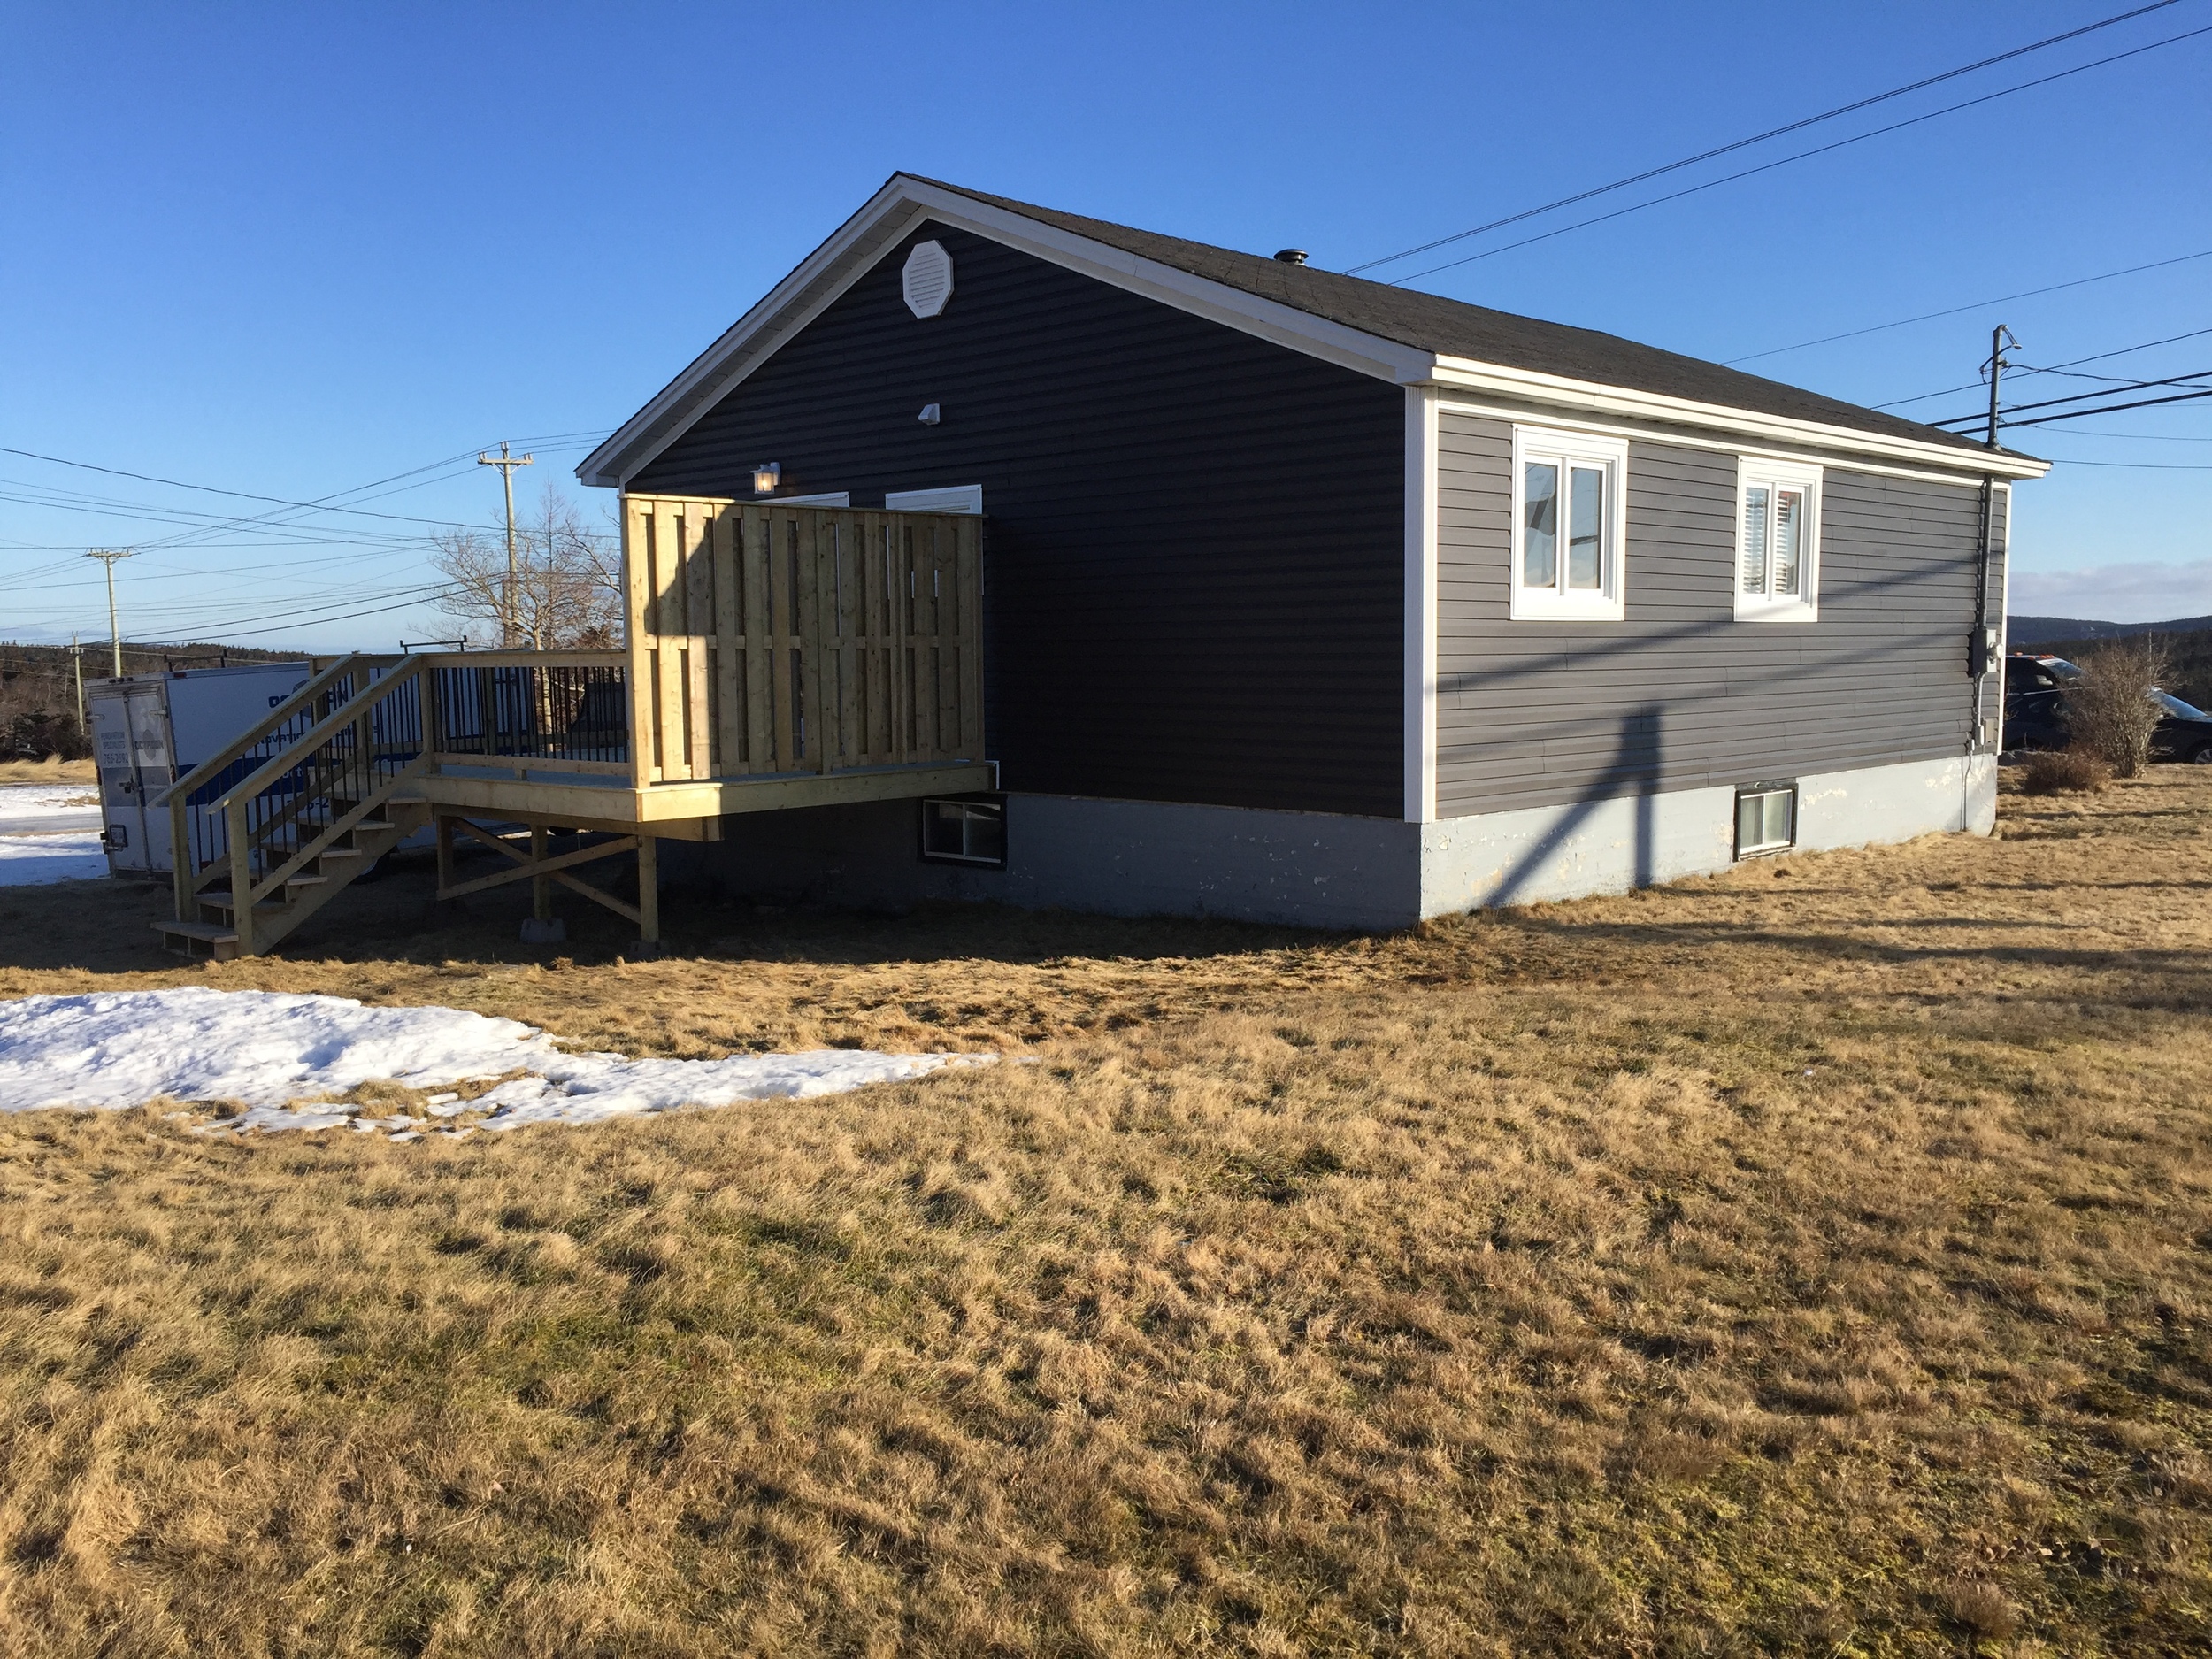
point(1766, 818)
point(1568, 525)
point(965, 830)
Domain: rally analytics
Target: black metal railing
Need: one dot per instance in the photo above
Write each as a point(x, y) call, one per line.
point(555, 712)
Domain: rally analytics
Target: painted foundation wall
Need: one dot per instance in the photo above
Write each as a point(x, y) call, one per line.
point(1312, 869)
point(1612, 845)
point(1108, 858)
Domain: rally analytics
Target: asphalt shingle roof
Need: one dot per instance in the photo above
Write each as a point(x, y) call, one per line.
point(1453, 328)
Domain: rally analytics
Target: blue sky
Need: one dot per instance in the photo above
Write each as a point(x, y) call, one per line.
point(290, 251)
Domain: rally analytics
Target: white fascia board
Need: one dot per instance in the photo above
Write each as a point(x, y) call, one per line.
point(612, 465)
point(1556, 391)
point(1270, 319)
point(805, 293)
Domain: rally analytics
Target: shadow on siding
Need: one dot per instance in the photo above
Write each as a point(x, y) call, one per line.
point(1641, 746)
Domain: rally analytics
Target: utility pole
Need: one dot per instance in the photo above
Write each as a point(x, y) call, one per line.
point(1985, 652)
point(506, 464)
point(107, 557)
point(76, 658)
point(1998, 336)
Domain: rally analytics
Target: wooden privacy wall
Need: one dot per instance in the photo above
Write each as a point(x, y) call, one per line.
point(769, 639)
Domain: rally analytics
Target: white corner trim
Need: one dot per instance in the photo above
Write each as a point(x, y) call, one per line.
point(1423, 512)
point(1809, 476)
point(2004, 602)
point(1590, 397)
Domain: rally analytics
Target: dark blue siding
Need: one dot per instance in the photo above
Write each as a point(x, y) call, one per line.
point(1194, 549)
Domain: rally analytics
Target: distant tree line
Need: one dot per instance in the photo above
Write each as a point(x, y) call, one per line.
point(38, 691)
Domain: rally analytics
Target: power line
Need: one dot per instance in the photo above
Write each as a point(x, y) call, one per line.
point(2111, 409)
point(2080, 397)
point(1744, 144)
point(2055, 368)
point(1803, 155)
point(2145, 467)
point(1954, 310)
point(2138, 437)
point(317, 506)
point(324, 503)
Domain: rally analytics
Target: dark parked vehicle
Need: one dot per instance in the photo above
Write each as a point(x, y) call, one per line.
point(2035, 712)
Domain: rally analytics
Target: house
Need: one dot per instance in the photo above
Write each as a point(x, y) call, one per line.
point(1307, 598)
point(1003, 554)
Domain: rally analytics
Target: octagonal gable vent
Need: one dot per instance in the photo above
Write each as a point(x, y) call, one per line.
point(928, 279)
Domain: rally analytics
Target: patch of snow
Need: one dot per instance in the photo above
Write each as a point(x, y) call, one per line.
point(268, 1049)
point(47, 800)
point(29, 861)
point(49, 831)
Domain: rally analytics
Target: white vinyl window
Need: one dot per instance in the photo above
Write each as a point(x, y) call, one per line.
point(1568, 555)
point(1778, 541)
point(1766, 818)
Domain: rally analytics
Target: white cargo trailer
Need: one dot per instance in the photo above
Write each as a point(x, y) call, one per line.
point(149, 730)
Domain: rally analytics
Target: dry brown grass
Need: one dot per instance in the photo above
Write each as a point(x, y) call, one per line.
point(1813, 1259)
point(2063, 772)
point(53, 769)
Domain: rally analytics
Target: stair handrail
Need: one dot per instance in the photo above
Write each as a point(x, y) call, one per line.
point(245, 892)
point(314, 737)
point(262, 728)
point(187, 877)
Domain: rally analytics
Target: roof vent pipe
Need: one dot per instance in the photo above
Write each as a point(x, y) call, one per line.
point(1291, 255)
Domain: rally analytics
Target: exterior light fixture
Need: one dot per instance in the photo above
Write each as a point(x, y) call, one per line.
point(766, 476)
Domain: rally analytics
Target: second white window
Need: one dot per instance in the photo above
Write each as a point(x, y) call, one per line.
point(1778, 541)
point(1567, 525)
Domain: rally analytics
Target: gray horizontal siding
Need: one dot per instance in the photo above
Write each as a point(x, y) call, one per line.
point(1680, 694)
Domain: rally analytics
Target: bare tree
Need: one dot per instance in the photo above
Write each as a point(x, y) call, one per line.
point(568, 582)
point(2110, 713)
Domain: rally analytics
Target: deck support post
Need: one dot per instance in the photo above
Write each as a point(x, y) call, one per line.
point(240, 875)
point(649, 887)
point(444, 832)
point(541, 886)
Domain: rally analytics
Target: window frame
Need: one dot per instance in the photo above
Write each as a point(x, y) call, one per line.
point(966, 803)
point(1775, 473)
point(1608, 602)
point(1764, 849)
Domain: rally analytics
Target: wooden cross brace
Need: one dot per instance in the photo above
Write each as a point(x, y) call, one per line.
point(527, 868)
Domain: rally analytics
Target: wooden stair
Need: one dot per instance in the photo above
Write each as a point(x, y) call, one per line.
point(311, 796)
point(211, 935)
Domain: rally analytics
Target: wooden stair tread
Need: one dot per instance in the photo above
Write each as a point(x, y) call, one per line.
point(262, 907)
point(213, 932)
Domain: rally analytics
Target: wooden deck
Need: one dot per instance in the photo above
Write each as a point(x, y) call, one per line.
point(778, 657)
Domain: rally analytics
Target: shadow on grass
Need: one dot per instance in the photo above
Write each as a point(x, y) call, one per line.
point(106, 927)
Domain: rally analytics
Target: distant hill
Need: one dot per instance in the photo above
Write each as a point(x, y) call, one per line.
point(2043, 630)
